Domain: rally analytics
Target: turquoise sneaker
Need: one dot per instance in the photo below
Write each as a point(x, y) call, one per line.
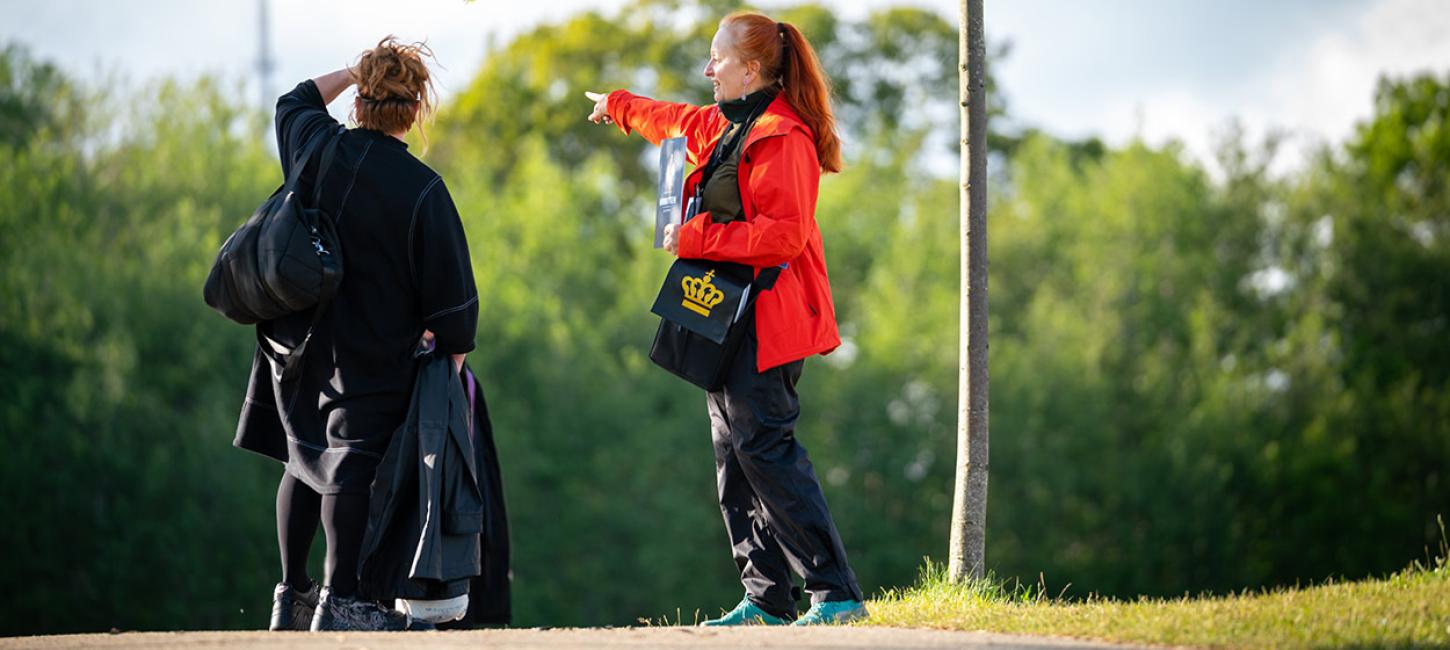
point(835, 612)
point(746, 613)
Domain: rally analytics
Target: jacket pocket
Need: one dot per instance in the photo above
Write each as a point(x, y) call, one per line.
point(463, 523)
point(793, 319)
point(462, 500)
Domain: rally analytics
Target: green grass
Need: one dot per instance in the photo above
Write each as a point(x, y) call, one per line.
point(1408, 609)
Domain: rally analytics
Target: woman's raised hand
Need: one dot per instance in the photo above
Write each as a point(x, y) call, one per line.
point(601, 108)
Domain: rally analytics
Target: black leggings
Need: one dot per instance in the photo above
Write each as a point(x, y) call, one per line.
point(344, 519)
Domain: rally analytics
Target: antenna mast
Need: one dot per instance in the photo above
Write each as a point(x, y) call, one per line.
point(265, 62)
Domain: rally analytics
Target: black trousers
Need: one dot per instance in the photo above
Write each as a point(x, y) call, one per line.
point(775, 513)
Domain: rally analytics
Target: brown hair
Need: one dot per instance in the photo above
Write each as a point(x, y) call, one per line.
point(394, 88)
point(786, 56)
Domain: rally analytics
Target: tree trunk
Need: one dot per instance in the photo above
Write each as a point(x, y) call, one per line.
point(969, 506)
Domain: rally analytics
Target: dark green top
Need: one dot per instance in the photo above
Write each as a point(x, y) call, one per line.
point(721, 196)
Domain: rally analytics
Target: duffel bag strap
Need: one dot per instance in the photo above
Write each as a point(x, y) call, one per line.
point(331, 275)
point(324, 165)
point(300, 161)
point(292, 363)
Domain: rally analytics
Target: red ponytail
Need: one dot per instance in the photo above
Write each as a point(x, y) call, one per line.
point(785, 55)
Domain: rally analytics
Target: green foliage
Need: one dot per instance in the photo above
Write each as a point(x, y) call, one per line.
point(1199, 382)
point(533, 87)
point(126, 505)
point(1365, 341)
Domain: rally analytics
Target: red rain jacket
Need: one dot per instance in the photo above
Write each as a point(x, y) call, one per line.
point(779, 176)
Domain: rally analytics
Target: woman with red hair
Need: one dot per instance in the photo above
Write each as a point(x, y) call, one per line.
point(760, 151)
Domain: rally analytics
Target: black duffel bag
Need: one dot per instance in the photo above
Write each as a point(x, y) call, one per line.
point(704, 310)
point(286, 257)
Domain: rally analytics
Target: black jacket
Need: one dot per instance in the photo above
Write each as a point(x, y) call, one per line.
point(489, 600)
point(426, 512)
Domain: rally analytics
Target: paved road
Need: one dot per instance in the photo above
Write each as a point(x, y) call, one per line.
point(682, 638)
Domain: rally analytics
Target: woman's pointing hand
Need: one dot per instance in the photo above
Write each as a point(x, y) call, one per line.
point(601, 108)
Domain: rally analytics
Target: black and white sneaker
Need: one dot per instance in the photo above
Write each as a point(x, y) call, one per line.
point(345, 614)
point(292, 609)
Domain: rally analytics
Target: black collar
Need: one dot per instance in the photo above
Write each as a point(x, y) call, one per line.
point(740, 111)
point(379, 136)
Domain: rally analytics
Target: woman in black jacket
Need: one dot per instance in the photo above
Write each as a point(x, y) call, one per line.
point(407, 277)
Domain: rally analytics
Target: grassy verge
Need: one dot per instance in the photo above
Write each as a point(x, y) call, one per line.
point(1408, 609)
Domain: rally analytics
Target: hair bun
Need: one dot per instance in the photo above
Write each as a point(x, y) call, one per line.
point(394, 86)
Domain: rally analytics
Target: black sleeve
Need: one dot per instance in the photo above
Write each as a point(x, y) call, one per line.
point(300, 116)
point(442, 270)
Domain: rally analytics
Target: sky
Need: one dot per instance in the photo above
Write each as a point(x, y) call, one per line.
point(1118, 69)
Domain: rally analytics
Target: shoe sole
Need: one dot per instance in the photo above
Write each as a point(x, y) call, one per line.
point(839, 620)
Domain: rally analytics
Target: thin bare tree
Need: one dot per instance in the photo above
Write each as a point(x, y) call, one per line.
point(969, 506)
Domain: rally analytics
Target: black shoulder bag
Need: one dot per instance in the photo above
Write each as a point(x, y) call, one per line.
point(702, 308)
point(703, 304)
point(285, 259)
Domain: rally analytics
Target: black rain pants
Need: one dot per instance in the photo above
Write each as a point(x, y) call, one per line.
point(775, 512)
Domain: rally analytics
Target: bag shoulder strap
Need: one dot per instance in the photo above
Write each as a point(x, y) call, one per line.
point(725, 147)
point(293, 363)
point(765, 280)
point(331, 274)
point(729, 142)
point(324, 165)
point(300, 160)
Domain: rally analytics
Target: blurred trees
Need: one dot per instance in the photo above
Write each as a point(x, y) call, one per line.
point(1361, 366)
point(1199, 381)
point(123, 504)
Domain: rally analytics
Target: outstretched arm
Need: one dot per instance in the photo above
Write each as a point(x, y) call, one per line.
point(655, 120)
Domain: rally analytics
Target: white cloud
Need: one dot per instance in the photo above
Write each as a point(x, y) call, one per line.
point(1331, 85)
point(1317, 91)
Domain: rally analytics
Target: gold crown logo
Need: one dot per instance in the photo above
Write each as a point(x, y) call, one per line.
point(700, 295)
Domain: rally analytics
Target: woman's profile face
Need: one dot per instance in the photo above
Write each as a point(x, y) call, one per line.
point(731, 75)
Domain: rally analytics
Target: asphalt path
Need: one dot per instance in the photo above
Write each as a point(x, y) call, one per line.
point(681, 638)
